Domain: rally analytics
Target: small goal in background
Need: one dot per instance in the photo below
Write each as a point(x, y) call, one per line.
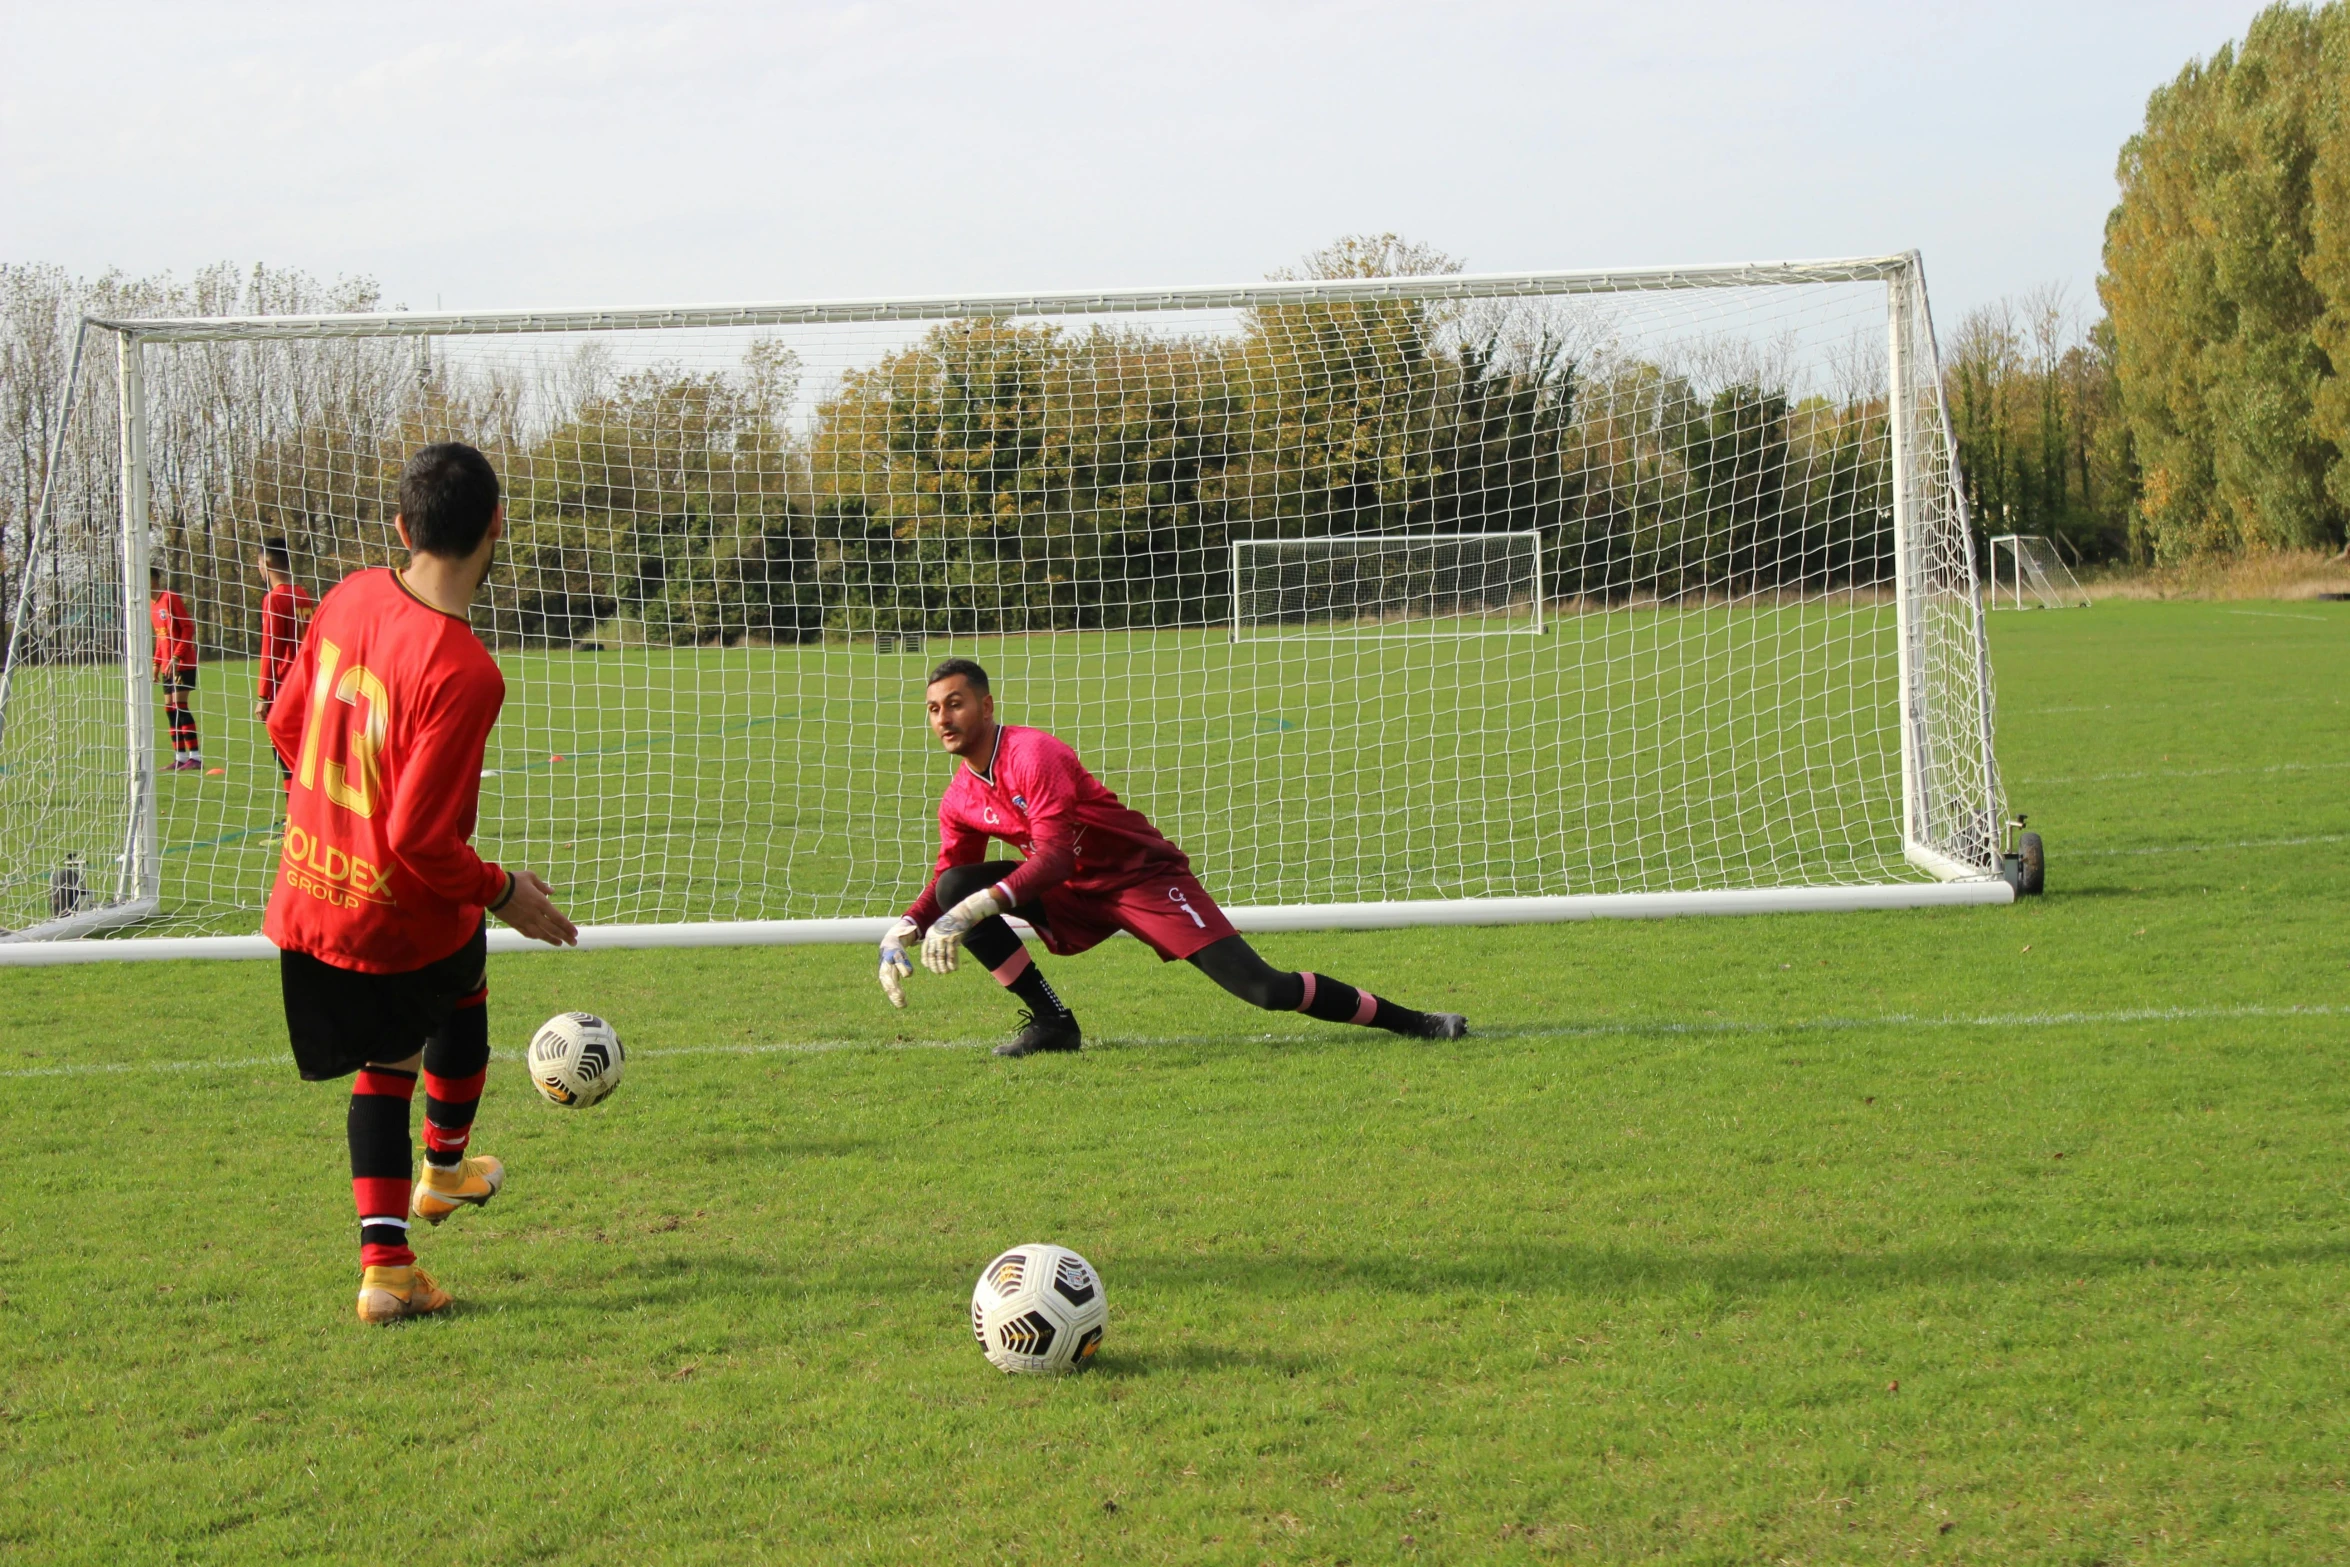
point(2027, 573)
point(1383, 584)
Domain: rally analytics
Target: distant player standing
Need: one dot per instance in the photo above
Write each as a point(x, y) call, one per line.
point(285, 614)
point(175, 669)
point(382, 717)
point(1093, 867)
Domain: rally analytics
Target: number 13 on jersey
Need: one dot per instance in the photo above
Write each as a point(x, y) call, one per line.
point(355, 784)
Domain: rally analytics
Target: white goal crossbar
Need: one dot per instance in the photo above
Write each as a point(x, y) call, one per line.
point(1086, 302)
point(1403, 600)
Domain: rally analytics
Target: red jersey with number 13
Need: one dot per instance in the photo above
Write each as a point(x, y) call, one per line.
point(382, 717)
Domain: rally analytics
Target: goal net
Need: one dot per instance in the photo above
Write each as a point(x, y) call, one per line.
point(2027, 573)
point(1388, 598)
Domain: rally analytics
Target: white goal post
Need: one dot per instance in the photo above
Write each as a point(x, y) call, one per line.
point(2035, 575)
point(1456, 599)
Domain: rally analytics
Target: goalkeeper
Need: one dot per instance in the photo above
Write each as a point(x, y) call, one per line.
point(1091, 868)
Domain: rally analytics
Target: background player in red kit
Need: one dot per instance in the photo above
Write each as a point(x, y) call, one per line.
point(1093, 867)
point(175, 669)
point(379, 898)
point(285, 614)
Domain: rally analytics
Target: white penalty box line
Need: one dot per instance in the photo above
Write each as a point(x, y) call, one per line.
point(1399, 915)
point(1661, 1028)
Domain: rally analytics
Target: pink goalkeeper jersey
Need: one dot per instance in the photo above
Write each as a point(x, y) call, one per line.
point(1038, 797)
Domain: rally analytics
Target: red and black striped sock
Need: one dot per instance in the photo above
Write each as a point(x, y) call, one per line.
point(380, 1164)
point(456, 1064)
point(1334, 1001)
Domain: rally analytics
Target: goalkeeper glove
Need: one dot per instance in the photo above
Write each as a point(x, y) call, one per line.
point(945, 942)
point(894, 968)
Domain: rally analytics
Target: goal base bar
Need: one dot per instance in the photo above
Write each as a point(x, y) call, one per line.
point(87, 922)
point(1941, 866)
point(1301, 917)
point(1619, 906)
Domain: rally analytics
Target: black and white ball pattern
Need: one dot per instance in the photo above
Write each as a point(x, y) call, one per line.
point(1039, 1308)
point(575, 1059)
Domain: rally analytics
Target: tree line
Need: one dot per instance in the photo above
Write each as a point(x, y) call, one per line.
point(2033, 408)
point(986, 476)
point(2227, 293)
point(2205, 413)
point(1001, 475)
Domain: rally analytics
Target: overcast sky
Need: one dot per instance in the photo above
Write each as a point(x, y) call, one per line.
point(507, 155)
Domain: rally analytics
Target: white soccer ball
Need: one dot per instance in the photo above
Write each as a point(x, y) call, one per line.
point(575, 1059)
point(1039, 1308)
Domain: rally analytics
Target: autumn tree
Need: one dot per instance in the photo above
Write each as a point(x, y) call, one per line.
point(2222, 301)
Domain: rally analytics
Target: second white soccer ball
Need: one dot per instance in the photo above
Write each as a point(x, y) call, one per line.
point(1039, 1308)
point(575, 1059)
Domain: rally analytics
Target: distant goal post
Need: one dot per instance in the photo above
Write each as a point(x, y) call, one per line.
point(1725, 496)
point(1381, 585)
point(2034, 575)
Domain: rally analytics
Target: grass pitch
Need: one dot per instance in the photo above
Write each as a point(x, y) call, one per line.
point(1968, 1235)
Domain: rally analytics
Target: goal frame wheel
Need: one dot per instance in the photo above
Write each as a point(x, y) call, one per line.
point(2031, 865)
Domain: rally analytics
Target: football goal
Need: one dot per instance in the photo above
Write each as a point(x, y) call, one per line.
point(1457, 599)
point(1379, 585)
point(2027, 573)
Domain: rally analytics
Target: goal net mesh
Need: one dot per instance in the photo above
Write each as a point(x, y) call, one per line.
point(733, 551)
point(1358, 585)
point(68, 823)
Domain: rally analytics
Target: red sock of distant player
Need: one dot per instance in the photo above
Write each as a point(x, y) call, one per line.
point(380, 1164)
point(456, 1063)
point(1334, 1001)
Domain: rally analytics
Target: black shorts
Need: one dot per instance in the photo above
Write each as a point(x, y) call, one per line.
point(340, 1019)
point(177, 682)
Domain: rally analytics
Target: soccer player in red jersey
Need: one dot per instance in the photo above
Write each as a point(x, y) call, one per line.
point(378, 907)
point(1092, 868)
point(285, 613)
point(175, 669)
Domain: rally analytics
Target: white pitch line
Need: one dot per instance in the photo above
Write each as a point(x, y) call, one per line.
point(2208, 848)
point(1900, 1020)
point(2190, 772)
point(2231, 703)
point(1656, 1029)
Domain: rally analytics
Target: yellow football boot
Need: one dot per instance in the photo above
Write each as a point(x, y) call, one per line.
point(470, 1182)
point(396, 1294)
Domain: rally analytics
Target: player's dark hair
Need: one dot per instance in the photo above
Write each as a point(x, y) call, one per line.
point(280, 558)
point(448, 493)
point(154, 574)
point(968, 668)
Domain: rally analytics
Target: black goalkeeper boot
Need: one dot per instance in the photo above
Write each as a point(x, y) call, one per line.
point(1053, 1033)
point(1442, 1025)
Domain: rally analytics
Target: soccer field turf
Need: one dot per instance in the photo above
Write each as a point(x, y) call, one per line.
point(1629, 750)
point(2007, 1234)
